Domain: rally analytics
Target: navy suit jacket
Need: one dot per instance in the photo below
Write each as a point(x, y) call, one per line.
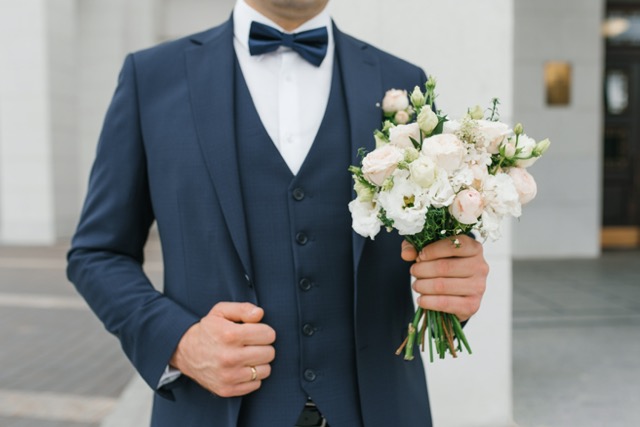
point(167, 153)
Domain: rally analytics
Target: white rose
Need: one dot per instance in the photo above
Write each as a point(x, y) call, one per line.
point(493, 133)
point(446, 150)
point(423, 171)
point(526, 145)
point(441, 193)
point(480, 174)
point(395, 100)
point(427, 120)
point(405, 204)
point(379, 164)
point(501, 196)
point(401, 135)
point(451, 126)
point(467, 206)
point(490, 225)
point(364, 216)
point(461, 178)
point(524, 183)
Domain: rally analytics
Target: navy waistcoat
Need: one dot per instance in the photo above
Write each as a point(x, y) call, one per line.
point(299, 231)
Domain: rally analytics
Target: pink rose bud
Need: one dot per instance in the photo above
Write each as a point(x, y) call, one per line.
point(467, 206)
point(402, 117)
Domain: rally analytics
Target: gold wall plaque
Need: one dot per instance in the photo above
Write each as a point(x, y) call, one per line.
point(557, 80)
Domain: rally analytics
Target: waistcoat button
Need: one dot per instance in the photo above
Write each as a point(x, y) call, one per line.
point(309, 375)
point(308, 329)
point(302, 238)
point(305, 284)
point(298, 194)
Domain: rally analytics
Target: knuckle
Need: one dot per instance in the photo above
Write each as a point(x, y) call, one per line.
point(228, 336)
point(225, 376)
point(442, 304)
point(227, 359)
point(443, 268)
point(439, 287)
point(426, 252)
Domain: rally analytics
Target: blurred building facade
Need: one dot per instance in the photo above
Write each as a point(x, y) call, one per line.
point(544, 59)
point(59, 60)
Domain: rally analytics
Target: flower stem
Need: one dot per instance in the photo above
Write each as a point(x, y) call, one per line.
point(413, 327)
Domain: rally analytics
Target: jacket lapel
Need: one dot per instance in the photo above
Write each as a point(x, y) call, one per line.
point(210, 71)
point(363, 90)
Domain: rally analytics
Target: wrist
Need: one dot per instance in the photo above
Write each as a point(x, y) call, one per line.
point(178, 359)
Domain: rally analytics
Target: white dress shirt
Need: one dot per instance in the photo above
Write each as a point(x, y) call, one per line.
point(289, 93)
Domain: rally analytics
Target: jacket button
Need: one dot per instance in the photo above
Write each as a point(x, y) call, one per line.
point(308, 329)
point(298, 194)
point(302, 238)
point(305, 284)
point(309, 375)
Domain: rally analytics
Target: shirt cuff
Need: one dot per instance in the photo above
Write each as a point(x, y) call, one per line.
point(170, 375)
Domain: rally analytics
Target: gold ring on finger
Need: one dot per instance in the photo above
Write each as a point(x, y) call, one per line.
point(254, 373)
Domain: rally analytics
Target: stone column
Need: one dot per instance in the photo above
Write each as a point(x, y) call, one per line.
point(468, 46)
point(34, 62)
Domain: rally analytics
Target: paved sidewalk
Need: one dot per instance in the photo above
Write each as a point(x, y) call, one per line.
point(576, 342)
point(58, 365)
point(576, 346)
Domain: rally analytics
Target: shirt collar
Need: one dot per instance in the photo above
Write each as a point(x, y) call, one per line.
point(243, 15)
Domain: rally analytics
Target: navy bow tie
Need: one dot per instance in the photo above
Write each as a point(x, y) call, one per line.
point(311, 45)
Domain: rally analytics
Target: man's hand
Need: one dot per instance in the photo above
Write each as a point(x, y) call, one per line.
point(449, 278)
point(220, 351)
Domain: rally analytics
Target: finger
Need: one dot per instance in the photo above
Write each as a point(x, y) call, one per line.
point(244, 374)
point(239, 389)
point(408, 251)
point(258, 334)
point(449, 287)
point(244, 312)
point(254, 355)
point(262, 372)
point(459, 246)
point(225, 332)
point(462, 307)
point(449, 267)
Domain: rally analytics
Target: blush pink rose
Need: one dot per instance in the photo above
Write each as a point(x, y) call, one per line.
point(401, 135)
point(446, 150)
point(379, 164)
point(524, 183)
point(467, 206)
point(395, 100)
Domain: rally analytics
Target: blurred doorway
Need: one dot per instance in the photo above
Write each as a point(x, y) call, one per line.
point(621, 186)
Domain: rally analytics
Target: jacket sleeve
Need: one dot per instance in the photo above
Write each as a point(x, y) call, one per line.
point(106, 256)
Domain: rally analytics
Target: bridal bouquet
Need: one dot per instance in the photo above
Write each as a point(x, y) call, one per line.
point(433, 178)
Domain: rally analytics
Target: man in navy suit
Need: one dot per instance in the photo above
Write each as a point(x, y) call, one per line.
point(236, 141)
